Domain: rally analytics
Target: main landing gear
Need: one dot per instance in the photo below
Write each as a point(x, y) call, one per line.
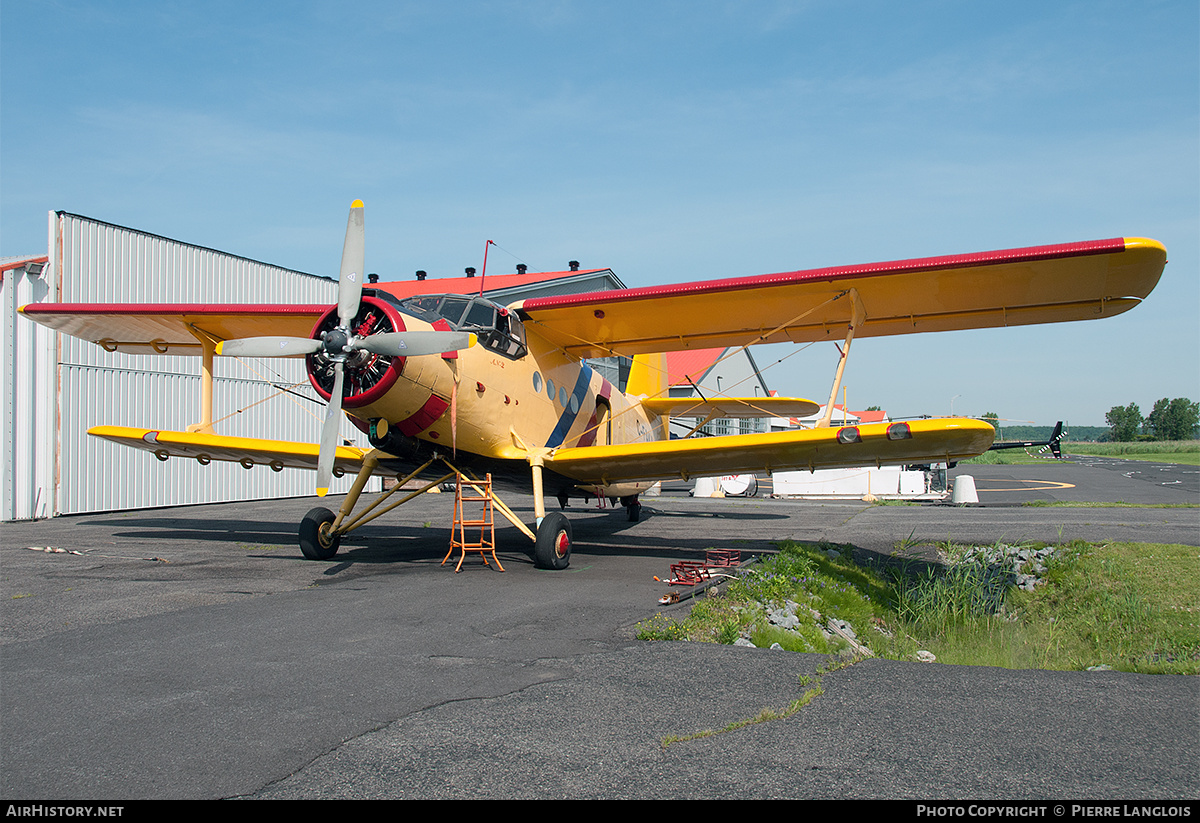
point(321, 530)
point(552, 547)
point(317, 541)
point(633, 508)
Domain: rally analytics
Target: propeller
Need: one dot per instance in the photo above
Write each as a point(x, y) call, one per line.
point(340, 343)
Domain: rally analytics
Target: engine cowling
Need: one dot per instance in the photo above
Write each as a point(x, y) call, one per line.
point(368, 376)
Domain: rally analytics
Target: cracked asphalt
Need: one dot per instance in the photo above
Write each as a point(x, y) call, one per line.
point(193, 653)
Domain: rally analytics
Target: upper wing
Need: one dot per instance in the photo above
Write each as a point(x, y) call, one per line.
point(928, 441)
point(1041, 284)
point(171, 328)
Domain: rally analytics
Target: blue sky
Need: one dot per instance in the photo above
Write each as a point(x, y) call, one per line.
point(669, 141)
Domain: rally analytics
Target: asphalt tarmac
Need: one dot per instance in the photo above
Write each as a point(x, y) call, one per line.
point(193, 653)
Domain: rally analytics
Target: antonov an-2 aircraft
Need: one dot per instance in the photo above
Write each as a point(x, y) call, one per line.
point(507, 389)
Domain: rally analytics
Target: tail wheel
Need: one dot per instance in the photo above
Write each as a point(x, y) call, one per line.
point(552, 550)
point(317, 540)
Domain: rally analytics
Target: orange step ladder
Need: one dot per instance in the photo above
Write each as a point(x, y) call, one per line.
point(477, 491)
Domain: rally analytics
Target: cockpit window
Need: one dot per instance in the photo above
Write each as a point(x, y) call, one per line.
point(452, 309)
point(482, 315)
point(497, 328)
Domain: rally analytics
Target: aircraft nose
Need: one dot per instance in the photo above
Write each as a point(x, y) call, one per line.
point(335, 341)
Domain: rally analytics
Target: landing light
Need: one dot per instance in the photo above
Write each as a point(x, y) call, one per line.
point(899, 431)
point(848, 435)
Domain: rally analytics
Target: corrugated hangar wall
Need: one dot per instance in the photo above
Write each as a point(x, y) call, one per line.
point(60, 386)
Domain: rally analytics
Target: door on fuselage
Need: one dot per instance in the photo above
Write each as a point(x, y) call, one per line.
point(603, 424)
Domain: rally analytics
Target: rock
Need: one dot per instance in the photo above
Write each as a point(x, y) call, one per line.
point(844, 628)
point(783, 618)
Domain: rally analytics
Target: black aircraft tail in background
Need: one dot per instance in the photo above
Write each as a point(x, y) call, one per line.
point(1025, 444)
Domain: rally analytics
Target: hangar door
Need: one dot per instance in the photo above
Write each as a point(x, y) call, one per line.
point(67, 385)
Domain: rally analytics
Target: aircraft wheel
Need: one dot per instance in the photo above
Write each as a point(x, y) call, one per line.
point(552, 550)
point(315, 540)
point(633, 508)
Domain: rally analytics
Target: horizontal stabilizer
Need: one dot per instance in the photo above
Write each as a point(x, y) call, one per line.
point(749, 407)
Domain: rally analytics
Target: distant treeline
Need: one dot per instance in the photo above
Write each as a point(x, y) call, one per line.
point(1079, 434)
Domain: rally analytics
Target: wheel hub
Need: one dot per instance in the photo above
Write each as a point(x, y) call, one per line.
point(325, 535)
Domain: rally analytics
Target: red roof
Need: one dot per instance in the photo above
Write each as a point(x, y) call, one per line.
point(471, 285)
point(875, 416)
point(862, 416)
point(693, 363)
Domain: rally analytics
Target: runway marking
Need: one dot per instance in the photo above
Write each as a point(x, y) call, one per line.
point(1040, 485)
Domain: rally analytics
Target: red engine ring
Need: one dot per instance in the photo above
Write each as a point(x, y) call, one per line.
point(376, 391)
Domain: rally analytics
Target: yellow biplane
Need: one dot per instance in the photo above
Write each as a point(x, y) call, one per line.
point(454, 384)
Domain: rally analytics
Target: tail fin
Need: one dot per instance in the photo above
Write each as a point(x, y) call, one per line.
point(648, 376)
point(1054, 438)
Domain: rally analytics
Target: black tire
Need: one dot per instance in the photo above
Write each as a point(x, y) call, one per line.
point(315, 542)
point(633, 508)
point(552, 550)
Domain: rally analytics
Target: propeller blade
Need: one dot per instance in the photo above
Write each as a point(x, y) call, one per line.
point(350, 279)
point(415, 343)
point(329, 433)
point(269, 347)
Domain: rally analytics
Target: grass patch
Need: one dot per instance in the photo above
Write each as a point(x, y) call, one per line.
point(1083, 504)
point(762, 717)
point(1182, 458)
point(1136, 447)
point(1167, 451)
point(1132, 606)
point(815, 690)
point(1009, 457)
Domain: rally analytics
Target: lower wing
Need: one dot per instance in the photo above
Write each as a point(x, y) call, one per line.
point(921, 441)
point(248, 451)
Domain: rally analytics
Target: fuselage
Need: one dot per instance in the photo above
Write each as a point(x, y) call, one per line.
point(492, 405)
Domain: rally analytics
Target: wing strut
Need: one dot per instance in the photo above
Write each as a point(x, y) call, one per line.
point(858, 314)
point(208, 348)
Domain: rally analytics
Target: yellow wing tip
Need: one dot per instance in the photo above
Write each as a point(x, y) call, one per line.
point(1144, 243)
point(357, 204)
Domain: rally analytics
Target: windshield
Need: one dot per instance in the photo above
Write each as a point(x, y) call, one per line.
point(497, 328)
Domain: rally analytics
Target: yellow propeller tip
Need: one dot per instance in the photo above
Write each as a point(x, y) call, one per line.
point(357, 204)
point(219, 345)
point(322, 492)
point(471, 340)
